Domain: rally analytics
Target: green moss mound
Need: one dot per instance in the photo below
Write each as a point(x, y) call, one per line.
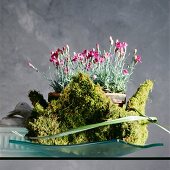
point(83, 103)
point(135, 132)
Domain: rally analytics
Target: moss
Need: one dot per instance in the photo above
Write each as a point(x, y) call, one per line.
point(84, 100)
point(138, 100)
point(43, 126)
point(82, 103)
point(135, 132)
point(35, 97)
point(132, 132)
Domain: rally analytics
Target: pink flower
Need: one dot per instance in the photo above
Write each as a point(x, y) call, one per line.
point(124, 44)
point(61, 62)
point(88, 66)
point(89, 54)
point(57, 62)
point(107, 54)
point(101, 59)
point(66, 70)
point(53, 59)
point(138, 59)
point(85, 53)
point(81, 57)
point(78, 56)
point(96, 59)
point(92, 53)
point(75, 57)
point(125, 72)
point(120, 45)
point(57, 52)
point(60, 51)
point(54, 54)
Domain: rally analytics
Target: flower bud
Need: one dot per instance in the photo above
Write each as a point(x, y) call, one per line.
point(97, 47)
point(135, 51)
point(125, 72)
point(31, 65)
point(68, 48)
point(111, 40)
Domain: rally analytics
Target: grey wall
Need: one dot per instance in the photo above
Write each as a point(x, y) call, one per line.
point(30, 29)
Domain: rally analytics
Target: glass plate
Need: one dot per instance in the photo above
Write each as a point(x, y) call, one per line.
point(112, 148)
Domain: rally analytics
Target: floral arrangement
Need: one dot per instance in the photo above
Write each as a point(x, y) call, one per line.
point(83, 112)
point(106, 68)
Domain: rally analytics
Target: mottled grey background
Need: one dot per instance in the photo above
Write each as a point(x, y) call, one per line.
point(30, 29)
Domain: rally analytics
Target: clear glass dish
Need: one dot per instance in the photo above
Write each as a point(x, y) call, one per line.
point(104, 149)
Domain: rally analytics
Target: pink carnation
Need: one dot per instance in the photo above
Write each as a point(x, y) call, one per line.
point(81, 57)
point(75, 57)
point(118, 45)
point(101, 59)
point(125, 72)
point(138, 59)
point(107, 54)
point(121, 45)
point(88, 66)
